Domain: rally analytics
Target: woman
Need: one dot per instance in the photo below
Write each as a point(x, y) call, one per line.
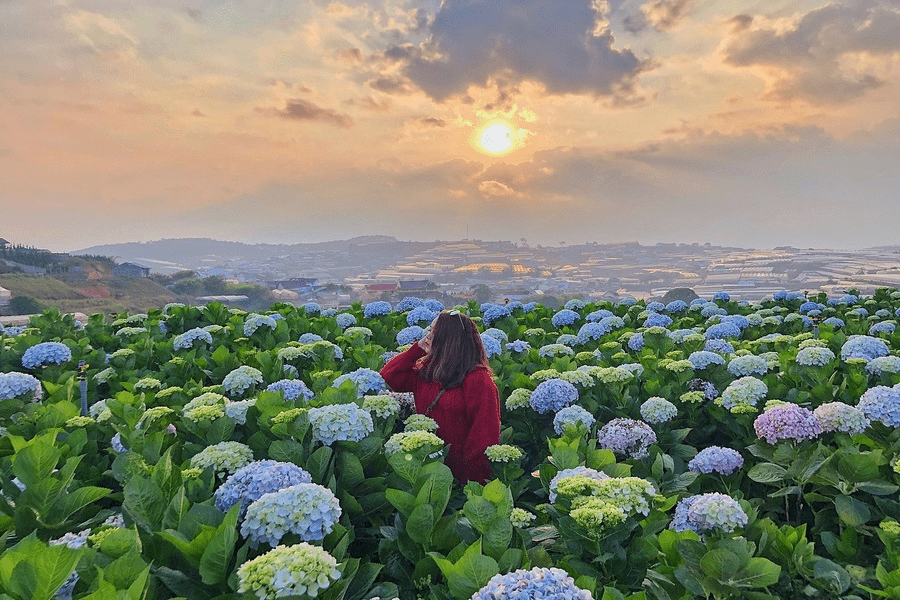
point(450, 365)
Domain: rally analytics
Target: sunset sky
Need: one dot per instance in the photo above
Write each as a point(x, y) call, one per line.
point(752, 123)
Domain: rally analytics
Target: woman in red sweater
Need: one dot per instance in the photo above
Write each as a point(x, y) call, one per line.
point(451, 361)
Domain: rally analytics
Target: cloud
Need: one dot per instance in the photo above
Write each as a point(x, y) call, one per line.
point(564, 46)
point(496, 189)
point(662, 15)
point(431, 122)
point(831, 54)
point(304, 110)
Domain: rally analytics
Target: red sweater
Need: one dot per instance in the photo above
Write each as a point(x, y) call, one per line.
point(468, 416)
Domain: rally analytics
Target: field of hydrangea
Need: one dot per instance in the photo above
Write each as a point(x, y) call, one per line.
point(719, 449)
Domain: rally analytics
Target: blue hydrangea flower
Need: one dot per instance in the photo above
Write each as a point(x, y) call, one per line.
point(676, 306)
point(491, 346)
point(435, 306)
point(591, 331)
point(326, 312)
point(704, 513)
point(293, 389)
point(574, 304)
point(497, 334)
point(882, 404)
point(657, 320)
point(186, 340)
point(410, 335)
point(518, 346)
point(882, 313)
point(741, 366)
point(658, 410)
point(418, 315)
point(255, 321)
point(884, 364)
point(716, 459)
point(571, 415)
point(376, 309)
point(809, 305)
point(862, 312)
point(864, 346)
point(492, 313)
point(409, 303)
point(307, 510)
point(636, 342)
point(722, 296)
point(787, 422)
point(251, 481)
point(837, 416)
point(344, 422)
point(366, 381)
point(814, 356)
point(704, 358)
point(718, 346)
point(612, 322)
point(882, 327)
point(345, 320)
point(710, 309)
point(116, 443)
point(598, 315)
point(312, 308)
point(553, 395)
point(46, 353)
point(627, 437)
point(680, 335)
point(240, 379)
point(721, 331)
point(310, 338)
point(540, 583)
point(655, 306)
point(707, 387)
point(627, 301)
point(19, 385)
point(563, 318)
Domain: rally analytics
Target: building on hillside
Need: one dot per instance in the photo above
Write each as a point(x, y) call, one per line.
point(127, 269)
point(5, 296)
point(3, 244)
point(297, 284)
point(417, 285)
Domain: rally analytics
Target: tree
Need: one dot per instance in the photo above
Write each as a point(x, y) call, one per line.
point(25, 305)
point(684, 294)
point(482, 293)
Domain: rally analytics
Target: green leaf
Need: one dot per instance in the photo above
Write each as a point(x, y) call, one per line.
point(759, 572)
point(420, 524)
point(511, 560)
point(69, 504)
point(349, 470)
point(406, 466)
point(125, 570)
point(145, 502)
point(877, 487)
point(851, 511)
point(317, 463)
point(720, 564)
point(35, 462)
point(767, 473)
point(119, 542)
point(471, 572)
point(402, 501)
point(480, 512)
point(857, 468)
point(219, 552)
point(498, 537)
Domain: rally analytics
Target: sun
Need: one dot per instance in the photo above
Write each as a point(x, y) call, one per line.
point(496, 138)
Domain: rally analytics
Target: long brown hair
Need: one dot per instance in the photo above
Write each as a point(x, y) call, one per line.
point(456, 349)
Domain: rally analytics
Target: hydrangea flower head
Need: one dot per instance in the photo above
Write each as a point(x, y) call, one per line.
point(837, 416)
point(813, 356)
point(746, 390)
point(598, 315)
point(882, 404)
point(636, 342)
point(518, 398)
point(205, 407)
point(310, 338)
point(591, 331)
point(655, 319)
point(410, 441)
point(344, 422)
point(493, 313)
point(224, 458)
point(658, 410)
point(503, 453)
point(721, 331)
point(571, 415)
point(345, 320)
point(741, 366)
point(574, 304)
point(46, 353)
point(382, 406)
point(539, 583)
point(704, 358)
point(554, 350)
point(627, 301)
point(366, 381)
point(377, 309)
point(553, 395)
point(676, 306)
point(253, 480)
point(255, 321)
point(491, 346)
point(518, 346)
point(627, 437)
point(241, 379)
point(787, 422)
point(298, 570)
point(19, 385)
point(521, 518)
point(419, 314)
point(580, 471)
point(564, 317)
point(887, 327)
point(293, 389)
point(864, 346)
point(704, 513)
point(716, 459)
point(237, 410)
point(420, 423)
point(409, 303)
point(497, 334)
point(307, 510)
point(434, 305)
point(187, 339)
point(312, 308)
point(884, 364)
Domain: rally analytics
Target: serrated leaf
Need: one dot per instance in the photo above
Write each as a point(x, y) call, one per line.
point(767, 473)
point(420, 524)
point(217, 556)
point(851, 511)
point(720, 564)
point(759, 572)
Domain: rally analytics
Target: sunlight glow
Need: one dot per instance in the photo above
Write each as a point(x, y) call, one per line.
point(496, 138)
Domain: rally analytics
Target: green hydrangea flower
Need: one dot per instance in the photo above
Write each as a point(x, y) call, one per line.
point(205, 407)
point(298, 570)
point(596, 515)
point(288, 416)
point(410, 441)
point(383, 406)
point(420, 423)
point(518, 398)
point(693, 397)
point(223, 458)
point(521, 518)
point(79, 421)
point(503, 453)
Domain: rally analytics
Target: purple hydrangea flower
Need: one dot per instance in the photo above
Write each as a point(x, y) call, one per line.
point(787, 422)
point(716, 459)
point(627, 437)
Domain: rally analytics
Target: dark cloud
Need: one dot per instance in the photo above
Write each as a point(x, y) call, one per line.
point(476, 42)
point(389, 85)
point(432, 122)
point(303, 110)
point(810, 54)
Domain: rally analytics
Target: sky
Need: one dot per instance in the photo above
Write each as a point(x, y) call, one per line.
point(754, 123)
